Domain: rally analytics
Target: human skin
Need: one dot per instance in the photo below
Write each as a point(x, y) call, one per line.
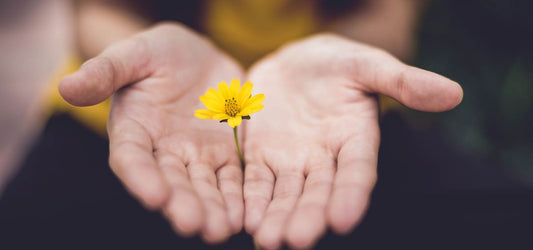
point(167, 158)
point(311, 154)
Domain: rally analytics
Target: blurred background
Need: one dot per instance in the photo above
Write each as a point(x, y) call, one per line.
point(461, 179)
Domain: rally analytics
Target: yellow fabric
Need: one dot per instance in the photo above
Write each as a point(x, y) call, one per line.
point(246, 29)
point(249, 30)
point(387, 104)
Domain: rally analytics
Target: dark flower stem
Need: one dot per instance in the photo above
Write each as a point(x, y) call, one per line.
point(235, 134)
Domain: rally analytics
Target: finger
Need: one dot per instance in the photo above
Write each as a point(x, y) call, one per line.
point(184, 209)
point(230, 185)
point(354, 180)
point(258, 187)
point(97, 79)
point(131, 159)
point(216, 227)
point(308, 221)
point(416, 88)
point(289, 185)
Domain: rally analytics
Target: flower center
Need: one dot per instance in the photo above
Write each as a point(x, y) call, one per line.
point(231, 107)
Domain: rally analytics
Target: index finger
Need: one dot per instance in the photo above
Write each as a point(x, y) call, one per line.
point(355, 178)
point(131, 159)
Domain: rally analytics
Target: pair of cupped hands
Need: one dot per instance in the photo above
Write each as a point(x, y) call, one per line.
point(310, 154)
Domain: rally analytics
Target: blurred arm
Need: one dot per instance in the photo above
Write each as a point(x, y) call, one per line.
point(387, 24)
point(100, 23)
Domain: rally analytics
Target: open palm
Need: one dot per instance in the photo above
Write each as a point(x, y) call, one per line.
point(311, 154)
point(166, 157)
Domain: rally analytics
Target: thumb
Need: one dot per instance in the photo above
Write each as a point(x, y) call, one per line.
point(97, 79)
point(414, 87)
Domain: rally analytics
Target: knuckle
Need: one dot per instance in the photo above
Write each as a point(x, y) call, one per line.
point(107, 74)
point(286, 194)
point(401, 85)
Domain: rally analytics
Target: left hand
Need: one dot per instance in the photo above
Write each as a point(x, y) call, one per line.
point(167, 158)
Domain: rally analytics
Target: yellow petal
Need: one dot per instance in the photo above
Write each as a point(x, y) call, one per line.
point(234, 87)
point(214, 94)
point(256, 99)
point(204, 114)
point(212, 104)
point(245, 93)
point(221, 116)
point(235, 121)
point(224, 90)
point(251, 109)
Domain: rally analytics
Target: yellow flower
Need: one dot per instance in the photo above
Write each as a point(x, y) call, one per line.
point(231, 103)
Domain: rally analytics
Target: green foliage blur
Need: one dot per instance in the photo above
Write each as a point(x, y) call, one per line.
point(486, 46)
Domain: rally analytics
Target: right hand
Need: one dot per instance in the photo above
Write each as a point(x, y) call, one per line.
point(311, 154)
point(167, 158)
